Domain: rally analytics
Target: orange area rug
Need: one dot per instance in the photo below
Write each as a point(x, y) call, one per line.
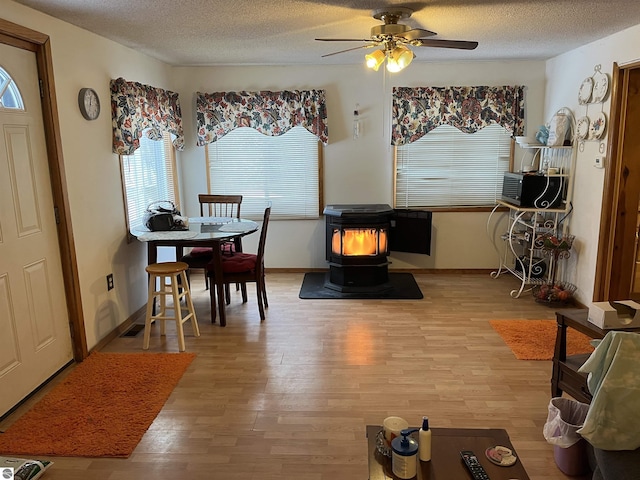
point(101, 409)
point(536, 339)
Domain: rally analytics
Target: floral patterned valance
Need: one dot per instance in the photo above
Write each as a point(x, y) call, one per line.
point(136, 107)
point(416, 111)
point(271, 113)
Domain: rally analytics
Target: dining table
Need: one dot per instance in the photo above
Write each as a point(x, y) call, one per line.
point(201, 232)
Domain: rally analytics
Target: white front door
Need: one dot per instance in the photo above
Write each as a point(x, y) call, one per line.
point(35, 338)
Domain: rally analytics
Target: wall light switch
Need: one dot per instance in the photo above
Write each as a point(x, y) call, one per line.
point(599, 162)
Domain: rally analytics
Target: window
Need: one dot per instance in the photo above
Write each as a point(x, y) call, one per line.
point(449, 168)
point(148, 176)
point(10, 98)
point(279, 170)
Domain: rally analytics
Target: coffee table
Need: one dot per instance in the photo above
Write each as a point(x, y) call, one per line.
point(446, 463)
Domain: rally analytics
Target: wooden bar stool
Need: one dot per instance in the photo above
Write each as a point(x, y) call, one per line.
point(173, 271)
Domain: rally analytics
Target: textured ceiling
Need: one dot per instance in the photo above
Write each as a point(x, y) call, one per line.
point(282, 32)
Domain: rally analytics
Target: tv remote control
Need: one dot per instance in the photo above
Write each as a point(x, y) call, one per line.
point(474, 466)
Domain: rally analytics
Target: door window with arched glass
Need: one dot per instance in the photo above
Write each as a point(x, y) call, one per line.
point(10, 98)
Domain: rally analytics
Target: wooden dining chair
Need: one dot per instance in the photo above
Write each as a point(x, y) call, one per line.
point(242, 268)
point(214, 206)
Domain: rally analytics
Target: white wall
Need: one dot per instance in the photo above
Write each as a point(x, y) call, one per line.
point(82, 59)
point(357, 170)
point(565, 74)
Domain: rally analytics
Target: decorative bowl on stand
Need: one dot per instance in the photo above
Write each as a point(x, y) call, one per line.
point(554, 294)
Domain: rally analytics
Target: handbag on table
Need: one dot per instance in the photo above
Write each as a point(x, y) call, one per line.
point(163, 215)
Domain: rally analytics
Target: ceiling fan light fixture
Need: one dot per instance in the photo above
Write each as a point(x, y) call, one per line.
point(392, 66)
point(375, 59)
point(399, 58)
point(394, 39)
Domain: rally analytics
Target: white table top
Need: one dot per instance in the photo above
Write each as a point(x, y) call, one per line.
point(202, 228)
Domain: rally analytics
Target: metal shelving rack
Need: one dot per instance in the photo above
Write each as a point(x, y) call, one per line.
point(521, 252)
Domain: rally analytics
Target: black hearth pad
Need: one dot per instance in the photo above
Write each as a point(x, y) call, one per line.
point(404, 287)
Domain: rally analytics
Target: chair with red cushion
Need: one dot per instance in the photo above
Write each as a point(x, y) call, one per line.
point(243, 268)
point(214, 206)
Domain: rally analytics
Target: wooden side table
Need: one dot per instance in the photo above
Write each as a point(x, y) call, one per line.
point(565, 376)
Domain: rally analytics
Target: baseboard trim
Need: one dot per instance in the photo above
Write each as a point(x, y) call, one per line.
point(137, 316)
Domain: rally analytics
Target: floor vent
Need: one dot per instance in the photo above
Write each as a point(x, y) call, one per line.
point(134, 330)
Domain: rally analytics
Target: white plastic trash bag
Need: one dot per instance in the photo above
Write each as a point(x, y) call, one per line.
point(565, 418)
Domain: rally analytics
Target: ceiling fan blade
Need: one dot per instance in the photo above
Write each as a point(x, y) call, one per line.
point(459, 44)
point(350, 49)
point(343, 39)
point(417, 33)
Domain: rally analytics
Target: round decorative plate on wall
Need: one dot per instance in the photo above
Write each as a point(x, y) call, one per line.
point(582, 128)
point(89, 103)
point(598, 126)
point(600, 87)
point(584, 94)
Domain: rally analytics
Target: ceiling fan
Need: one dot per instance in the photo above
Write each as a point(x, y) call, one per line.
point(395, 38)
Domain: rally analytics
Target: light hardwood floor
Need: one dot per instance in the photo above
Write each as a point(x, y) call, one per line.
point(290, 398)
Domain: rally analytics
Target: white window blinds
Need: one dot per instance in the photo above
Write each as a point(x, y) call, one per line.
point(282, 171)
point(448, 168)
point(148, 175)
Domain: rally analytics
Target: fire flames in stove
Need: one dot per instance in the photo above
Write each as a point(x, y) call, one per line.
point(359, 241)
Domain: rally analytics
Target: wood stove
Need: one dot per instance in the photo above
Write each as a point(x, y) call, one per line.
point(357, 246)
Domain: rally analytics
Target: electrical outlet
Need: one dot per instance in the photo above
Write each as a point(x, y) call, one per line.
point(110, 282)
point(599, 162)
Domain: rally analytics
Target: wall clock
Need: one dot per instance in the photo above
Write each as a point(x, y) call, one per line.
point(89, 103)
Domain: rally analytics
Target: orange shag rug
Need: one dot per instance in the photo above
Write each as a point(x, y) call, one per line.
point(536, 339)
point(101, 409)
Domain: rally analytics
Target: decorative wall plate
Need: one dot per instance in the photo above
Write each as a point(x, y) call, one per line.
point(582, 128)
point(584, 94)
point(600, 87)
point(598, 126)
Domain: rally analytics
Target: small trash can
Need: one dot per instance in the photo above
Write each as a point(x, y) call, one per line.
point(570, 450)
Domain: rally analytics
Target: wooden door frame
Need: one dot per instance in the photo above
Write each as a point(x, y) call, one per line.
point(31, 40)
point(620, 197)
